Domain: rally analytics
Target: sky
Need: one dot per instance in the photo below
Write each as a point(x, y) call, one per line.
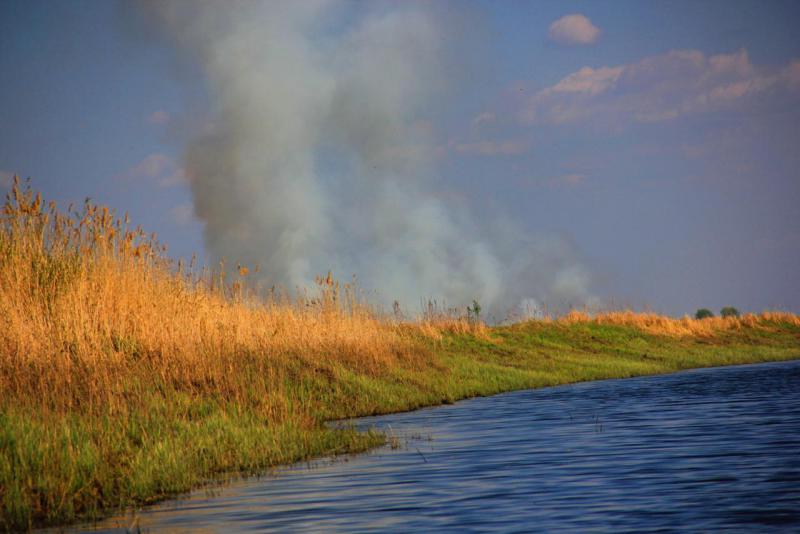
point(641, 154)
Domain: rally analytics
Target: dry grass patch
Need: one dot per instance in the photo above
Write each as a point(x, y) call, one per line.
point(94, 310)
point(654, 323)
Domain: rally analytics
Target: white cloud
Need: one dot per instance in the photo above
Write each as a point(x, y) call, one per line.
point(159, 167)
point(488, 137)
point(575, 29)
point(174, 178)
point(659, 88)
point(588, 80)
point(158, 117)
point(152, 166)
point(483, 118)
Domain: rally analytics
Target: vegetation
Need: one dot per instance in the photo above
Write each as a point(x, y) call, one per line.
point(729, 311)
point(125, 379)
point(474, 311)
point(703, 313)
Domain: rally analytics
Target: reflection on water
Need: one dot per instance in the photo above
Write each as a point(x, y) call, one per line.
point(706, 450)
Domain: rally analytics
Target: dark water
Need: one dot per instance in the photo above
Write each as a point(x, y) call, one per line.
point(705, 450)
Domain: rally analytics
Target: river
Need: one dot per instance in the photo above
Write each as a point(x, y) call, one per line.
point(702, 450)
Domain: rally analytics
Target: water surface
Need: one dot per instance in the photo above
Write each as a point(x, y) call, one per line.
point(703, 450)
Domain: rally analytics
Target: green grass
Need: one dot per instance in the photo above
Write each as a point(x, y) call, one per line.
point(56, 469)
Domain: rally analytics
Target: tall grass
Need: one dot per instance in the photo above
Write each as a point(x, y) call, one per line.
point(125, 377)
point(116, 364)
point(94, 311)
point(685, 326)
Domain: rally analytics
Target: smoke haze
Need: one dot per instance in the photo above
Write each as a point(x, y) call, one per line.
point(321, 155)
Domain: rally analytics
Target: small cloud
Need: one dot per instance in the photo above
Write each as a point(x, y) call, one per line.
point(483, 118)
point(589, 80)
point(580, 85)
point(159, 167)
point(661, 88)
point(737, 64)
point(510, 147)
point(174, 179)
point(575, 29)
point(182, 214)
point(158, 117)
point(152, 166)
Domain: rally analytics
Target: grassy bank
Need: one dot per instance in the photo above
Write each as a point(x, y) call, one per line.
point(125, 379)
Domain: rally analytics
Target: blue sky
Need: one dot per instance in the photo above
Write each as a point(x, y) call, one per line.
point(658, 140)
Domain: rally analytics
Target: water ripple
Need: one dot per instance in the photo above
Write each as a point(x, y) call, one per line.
point(705, 450)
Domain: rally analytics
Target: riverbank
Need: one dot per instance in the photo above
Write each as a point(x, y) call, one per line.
point(126, 379)
point(57, 468)
point(709, 449)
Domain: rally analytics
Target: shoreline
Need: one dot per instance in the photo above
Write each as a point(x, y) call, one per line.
point(328, 460)
point(461, 366)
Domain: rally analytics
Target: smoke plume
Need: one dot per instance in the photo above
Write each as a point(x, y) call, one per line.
point(320, 156)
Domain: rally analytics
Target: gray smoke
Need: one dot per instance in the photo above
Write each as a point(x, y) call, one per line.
point(320, 156)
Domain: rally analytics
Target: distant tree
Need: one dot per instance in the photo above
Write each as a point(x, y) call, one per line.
point(729, 311)
point(703, 313)
point(474, 311)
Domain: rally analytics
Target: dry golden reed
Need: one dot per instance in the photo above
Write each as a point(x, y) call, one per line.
point(92, 309)
point(654, 323)
point(95, 315)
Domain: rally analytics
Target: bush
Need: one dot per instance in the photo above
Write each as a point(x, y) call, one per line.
point(703, 313)
point(474, 311)
point(729, 311)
